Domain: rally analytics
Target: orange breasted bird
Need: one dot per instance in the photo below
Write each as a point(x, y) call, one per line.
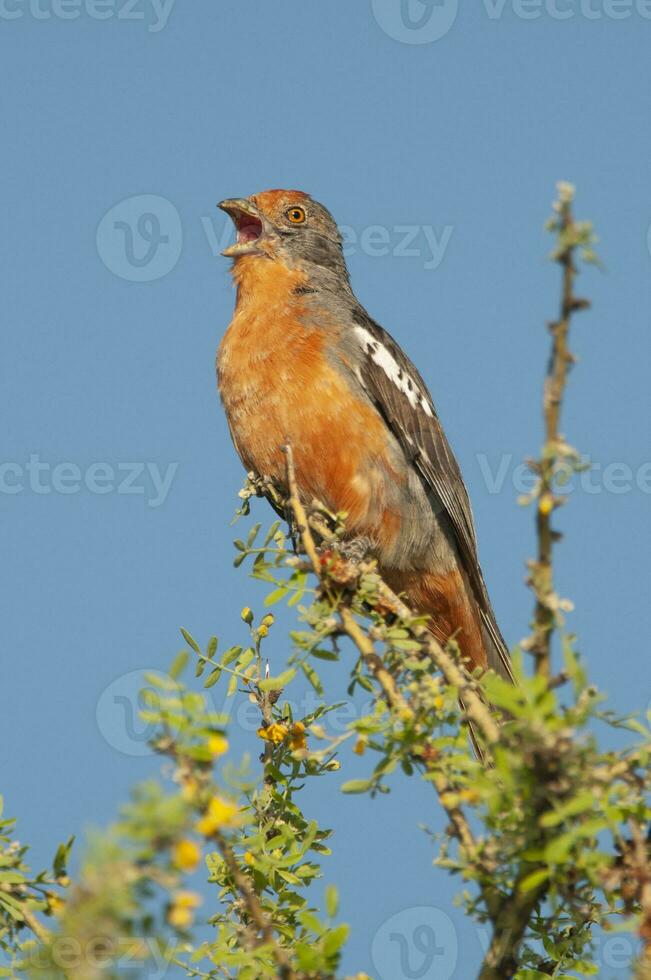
point(302, 361)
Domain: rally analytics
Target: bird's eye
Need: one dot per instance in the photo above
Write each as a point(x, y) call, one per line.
point(296, 215)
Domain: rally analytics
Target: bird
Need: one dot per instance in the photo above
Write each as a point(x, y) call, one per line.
point(303, 363)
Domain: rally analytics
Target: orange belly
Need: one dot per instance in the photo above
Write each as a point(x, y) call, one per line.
point(277, 384)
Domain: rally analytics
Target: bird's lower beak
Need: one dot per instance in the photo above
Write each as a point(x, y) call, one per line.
point(249, 225)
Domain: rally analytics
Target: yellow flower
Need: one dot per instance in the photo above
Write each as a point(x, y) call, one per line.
point(181, 911)
point(249, 859)
point(438, 702)
point(55, 904)
point(546, 504)
point(247, 615)
point(406, 715)
point(217, 745)
point(276, 733)
point(263, 631)
point(268, 620)
point(450, 800)
point(469, 796)
point(220, 813)
point(186, 855)
point(298, 738)
point(360, 746)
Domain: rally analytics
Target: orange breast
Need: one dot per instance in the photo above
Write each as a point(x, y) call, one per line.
point(277, 384)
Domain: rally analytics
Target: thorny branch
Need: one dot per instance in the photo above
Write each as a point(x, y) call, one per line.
point(570, 236)
point(510, 925)
point(262, 931)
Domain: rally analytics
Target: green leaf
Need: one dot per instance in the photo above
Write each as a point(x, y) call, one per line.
point(12, 877)
point(277, 683)
point(287, 876)
point(246, 658)
point(335, 939)
point(179, 664)
point(580, 804)
point(189, 639)
point(311, 922)
point(276, 596)
point(534, 879)
point(558, 850)
point(313, 678)
point(271, 532)
point(213, 677)
point(61, 857)
point(308, 959)
point(212, 647)
point(253, 533)
point(331, 900)
point(11, 905)
point(231, 654)
point(505, 695)
point(325, 654)
point(357, 786)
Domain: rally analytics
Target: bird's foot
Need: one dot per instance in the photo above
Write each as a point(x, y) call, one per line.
point(355, 550)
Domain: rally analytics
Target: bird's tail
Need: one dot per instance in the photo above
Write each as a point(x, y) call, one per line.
point(458, 611)
point(498, 657)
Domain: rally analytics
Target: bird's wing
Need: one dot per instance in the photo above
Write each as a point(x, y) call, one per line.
point(399, 393)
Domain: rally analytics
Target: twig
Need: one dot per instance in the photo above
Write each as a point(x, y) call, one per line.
point(397, 702)
point(30, 920)
point(254, 909)
point(560, 361)
point(302, 523)
point(642, 870)
point(509, 926)
point(514, 915)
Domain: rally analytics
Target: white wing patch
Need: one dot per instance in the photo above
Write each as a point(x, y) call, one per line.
point(385, 359)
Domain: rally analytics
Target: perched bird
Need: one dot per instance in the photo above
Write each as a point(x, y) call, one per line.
point(302, 361)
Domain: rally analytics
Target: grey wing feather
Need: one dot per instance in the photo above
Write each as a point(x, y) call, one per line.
point(407, 408)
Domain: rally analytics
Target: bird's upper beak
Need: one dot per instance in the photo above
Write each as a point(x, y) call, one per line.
point(249, 223)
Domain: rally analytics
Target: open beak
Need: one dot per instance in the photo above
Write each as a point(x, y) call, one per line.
point(249, 225)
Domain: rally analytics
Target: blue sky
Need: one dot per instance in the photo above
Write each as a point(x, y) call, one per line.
point(435, 133)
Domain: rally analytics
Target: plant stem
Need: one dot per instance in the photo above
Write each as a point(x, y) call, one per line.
point(560, 361)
